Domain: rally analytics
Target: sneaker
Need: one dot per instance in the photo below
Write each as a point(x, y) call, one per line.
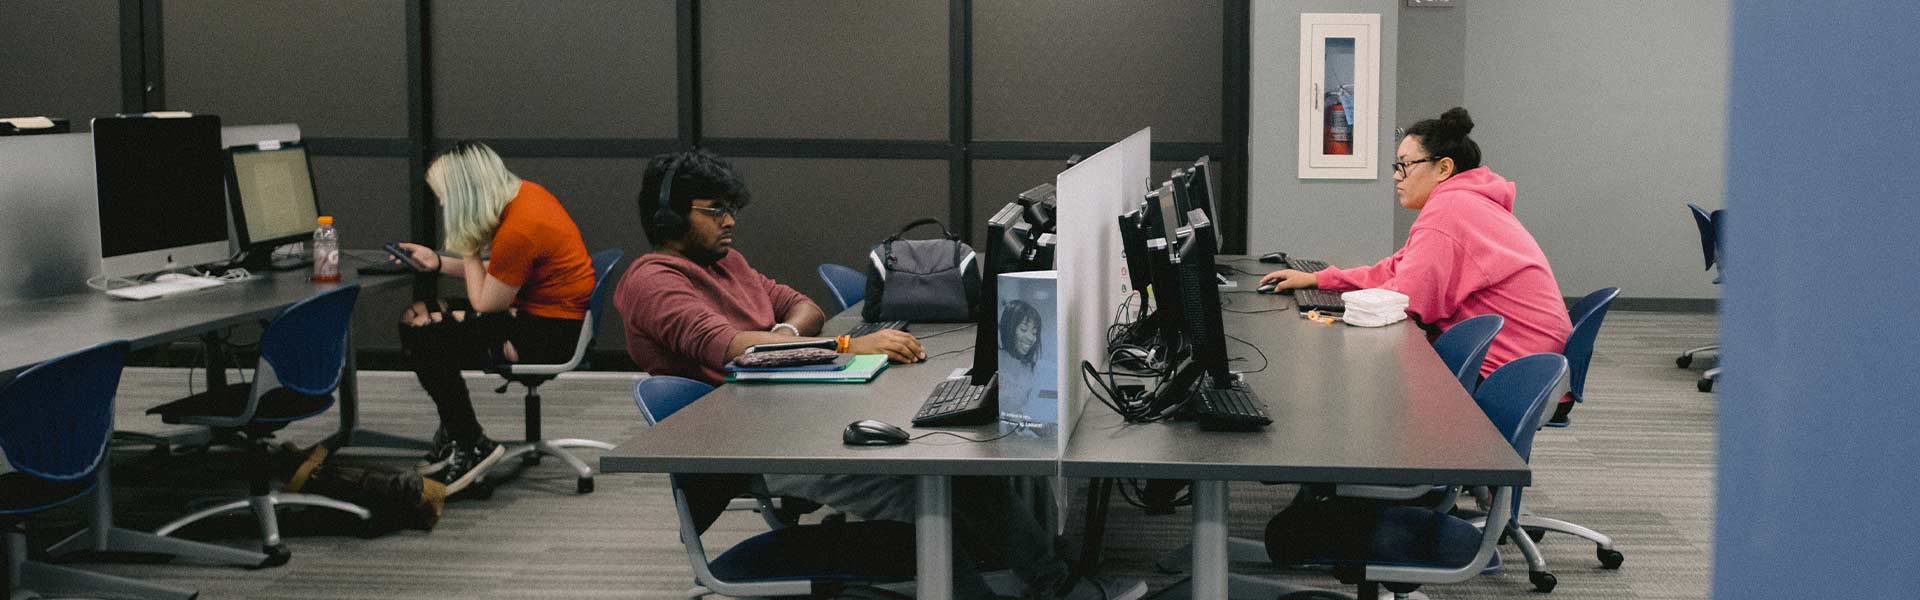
point(1106, 588)
point(469, 463)
point(436, 459)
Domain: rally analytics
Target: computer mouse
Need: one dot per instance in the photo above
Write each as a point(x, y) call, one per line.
point(1274, 257)
point(1268, 288)
point(172, 277)
point(873, 433)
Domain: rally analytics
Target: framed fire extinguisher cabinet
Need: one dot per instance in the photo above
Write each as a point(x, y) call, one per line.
point(1339, 96)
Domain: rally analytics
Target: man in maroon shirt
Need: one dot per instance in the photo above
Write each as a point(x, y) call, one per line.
point(693, 304)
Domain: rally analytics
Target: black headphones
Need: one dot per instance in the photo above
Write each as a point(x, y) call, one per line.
point(669, 224)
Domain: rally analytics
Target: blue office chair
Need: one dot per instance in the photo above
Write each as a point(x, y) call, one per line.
point(1587, 316)
point(849, 287)
point(55, 421)
point(531, 449)
point(302, 354)
point(1710, 226)
point(1464, 347)
point(1720, 259)
point(1404, 547)
point(789, 560)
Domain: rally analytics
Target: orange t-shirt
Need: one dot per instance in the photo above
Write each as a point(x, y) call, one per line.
point(538, 249)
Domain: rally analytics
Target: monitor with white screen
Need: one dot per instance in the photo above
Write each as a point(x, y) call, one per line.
point(161, 196)
point(270, 187)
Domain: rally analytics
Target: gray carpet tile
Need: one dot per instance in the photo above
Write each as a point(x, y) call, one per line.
point(1638, 464)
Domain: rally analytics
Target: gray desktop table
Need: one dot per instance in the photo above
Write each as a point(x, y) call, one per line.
point(1350, 405)
point(34, 331)
point(795, 428)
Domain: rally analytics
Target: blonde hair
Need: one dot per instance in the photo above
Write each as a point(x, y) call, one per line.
point(474, 188)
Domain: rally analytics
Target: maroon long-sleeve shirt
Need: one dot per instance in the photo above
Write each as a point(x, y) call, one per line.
point(679, 316)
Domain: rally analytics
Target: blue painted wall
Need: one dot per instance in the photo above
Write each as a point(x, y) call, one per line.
point(1819, 482)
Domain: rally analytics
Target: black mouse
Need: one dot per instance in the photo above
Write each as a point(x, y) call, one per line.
point(873, 433)
point(1268, 288)
point(1274, 257)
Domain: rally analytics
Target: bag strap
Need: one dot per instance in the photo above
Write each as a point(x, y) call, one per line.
point(926, 221)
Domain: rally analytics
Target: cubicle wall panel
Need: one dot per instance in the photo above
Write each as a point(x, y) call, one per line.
point(532, 69)
point(1089, 70)
point(599, 193)
point(841, 69)
point(811, 211)
point(340, 71)
point(997, 182)
point(62, 59)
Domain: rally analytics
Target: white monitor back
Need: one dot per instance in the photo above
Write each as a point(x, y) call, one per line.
point(1092, 196)
point(49, 238)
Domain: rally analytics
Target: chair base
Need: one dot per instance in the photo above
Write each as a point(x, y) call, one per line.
point(118, 540)
point(29, 579)
point(1707, 379)
point(272, 547)
point(1686, 358)
point(530, 453)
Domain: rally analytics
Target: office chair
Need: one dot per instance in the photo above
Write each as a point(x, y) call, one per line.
point(1405, 547)
point(788, 560)
point(532, 376)
point(302, 354)
point(849, 287)
point(1709, 227)
point(1587, 316)
point(1464, 347)
point(1719, 218)
point(55, 420)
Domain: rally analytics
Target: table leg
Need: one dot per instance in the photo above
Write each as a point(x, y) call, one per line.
point(933, 535)
point(350, 433)
point(101, 536)
point(1209, 540)
point(1099, 495)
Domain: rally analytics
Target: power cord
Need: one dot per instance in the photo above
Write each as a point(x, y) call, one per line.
point(974, 440)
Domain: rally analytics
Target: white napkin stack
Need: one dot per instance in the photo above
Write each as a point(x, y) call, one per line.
point(1374, 307)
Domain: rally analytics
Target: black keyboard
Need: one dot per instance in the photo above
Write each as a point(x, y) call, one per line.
point(1306, 265)
point(959, 402)
point(1234, 408)
point(1318, 299)
point(869, 327)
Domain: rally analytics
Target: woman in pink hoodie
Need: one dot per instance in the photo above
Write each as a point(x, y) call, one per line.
point(1466, 254)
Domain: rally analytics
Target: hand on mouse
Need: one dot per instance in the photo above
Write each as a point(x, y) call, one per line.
point(1288, 279)
point(899, 346)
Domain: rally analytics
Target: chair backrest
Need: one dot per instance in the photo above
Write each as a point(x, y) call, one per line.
point(1704, 221)
point(1719, 219)
point(707, 495)
point(603, 262)
point(1587, 314)
point(1516, 396)
point(57, 417)
point(1464, 347)
point(849, 287)
point(306, 346)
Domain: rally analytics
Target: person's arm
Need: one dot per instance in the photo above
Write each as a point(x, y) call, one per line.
point(433, 260)
point(806, 317)
point(1360, 278)
point(487, 293)
point(1436, 275)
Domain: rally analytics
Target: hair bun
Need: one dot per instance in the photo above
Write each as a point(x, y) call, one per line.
point(1456, 122)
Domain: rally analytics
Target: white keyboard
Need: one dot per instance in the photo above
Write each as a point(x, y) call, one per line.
point(166, 286)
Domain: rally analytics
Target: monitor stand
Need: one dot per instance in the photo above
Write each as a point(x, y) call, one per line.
point(262, 259)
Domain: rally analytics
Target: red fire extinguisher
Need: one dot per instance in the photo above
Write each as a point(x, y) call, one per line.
point(1339, 134)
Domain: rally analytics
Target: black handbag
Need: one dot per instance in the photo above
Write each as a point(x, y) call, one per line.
point(922, 280)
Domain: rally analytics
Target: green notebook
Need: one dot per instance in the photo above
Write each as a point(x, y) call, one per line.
point(861, 369)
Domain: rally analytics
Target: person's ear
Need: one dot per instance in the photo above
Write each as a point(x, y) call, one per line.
point(1445, 166)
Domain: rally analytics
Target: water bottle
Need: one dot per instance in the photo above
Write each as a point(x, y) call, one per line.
point(326, 252)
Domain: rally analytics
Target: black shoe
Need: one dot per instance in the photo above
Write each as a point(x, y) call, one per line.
point(469, 463)
point(436, 459)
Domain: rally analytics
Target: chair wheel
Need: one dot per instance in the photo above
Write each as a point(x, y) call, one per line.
point(1705, 385)
point(276, 555)
point(1610, 558)
point(1684, 361)
point(584, 485)
point(1543, 581)
point(1537, 534)
point(530, 458)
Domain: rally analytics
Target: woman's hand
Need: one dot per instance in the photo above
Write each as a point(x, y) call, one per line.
point(1288, 279)
point(421, 254)
point(899, 346)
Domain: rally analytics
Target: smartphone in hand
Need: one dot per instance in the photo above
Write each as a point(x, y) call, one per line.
point(405, 258)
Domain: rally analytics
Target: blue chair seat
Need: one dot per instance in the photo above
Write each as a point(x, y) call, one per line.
point(23, 494)
point(874, 551)
point(279, 405)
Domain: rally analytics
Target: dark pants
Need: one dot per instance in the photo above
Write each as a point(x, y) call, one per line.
point(456, 338)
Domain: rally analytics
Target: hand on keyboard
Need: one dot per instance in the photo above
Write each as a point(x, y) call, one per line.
point(899, 346)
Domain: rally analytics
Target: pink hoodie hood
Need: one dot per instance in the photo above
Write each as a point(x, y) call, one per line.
point(1466, 256)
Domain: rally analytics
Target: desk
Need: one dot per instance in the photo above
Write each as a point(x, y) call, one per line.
point(795, 428)
point(1349, 405)
point(34, 331)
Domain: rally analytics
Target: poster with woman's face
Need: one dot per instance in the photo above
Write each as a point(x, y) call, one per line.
point(1029, 394)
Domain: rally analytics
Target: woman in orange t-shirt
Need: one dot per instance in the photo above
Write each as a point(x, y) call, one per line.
point(525, 299)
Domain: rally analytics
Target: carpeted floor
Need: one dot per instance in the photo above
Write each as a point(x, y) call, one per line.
point(1637, 465)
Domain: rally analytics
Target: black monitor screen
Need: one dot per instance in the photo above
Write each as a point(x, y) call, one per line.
point(272, 195)
point(1203, 188)
point(162, 183)
point(1003, 249)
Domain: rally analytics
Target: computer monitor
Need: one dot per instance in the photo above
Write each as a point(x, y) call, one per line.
point(1200, 301)
point(1003, 249)
point(1162, 232)
point(1203, 192)
point(270, 189)
point(161, 194)
point(1133, 246)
